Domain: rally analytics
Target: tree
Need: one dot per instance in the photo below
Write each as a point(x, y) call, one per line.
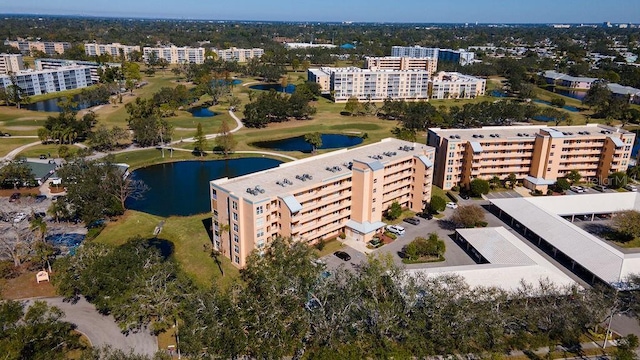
point(437, 204)
point(313, 139)
point(527, 91)
point(420, 247)
point(200, 143)
point(479, 187)
point(617, 180)
point(627, 223)
point(558, 102)
point(512, 179)
point(353, 106)
point(626, 348)
point(105, 139)
point(394, 211)
point(225, 140)
point(16, 243)
point(598, 97)
point(574, 176)
point(147, 124)
point(562, 185)
point(123, 188)
point(16, 174)
point(468, 215)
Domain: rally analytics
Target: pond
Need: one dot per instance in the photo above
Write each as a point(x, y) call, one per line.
point(182, 188)
point(66, 243)
point(566, 107)
point(201, 111)
point(225, 82)
point(329, 141)
point(574, 94)
point(289, 89)
point(498, 93)
point(51, 105)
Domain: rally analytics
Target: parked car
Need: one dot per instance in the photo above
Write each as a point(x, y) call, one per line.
point(599, 188)
point(19, 217)
point(342, 255)
point(631, 187)
point(577, 189)
point(14, 197)
point(43, 157)
point(465, 196)
point(452, 205)
point(396, 229)
point(425, 215)
point(412, 221)
point(40, 198)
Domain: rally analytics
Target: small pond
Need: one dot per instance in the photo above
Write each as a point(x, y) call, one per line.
point(182, 188)
point(574, 94)
point(498, 93)
point(329, 141)
point(51, 105)
point(66, 243)
point(225, 82)
point(289, 89)
point(202, 112)
point(566, 107)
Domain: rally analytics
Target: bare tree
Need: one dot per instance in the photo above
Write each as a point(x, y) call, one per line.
point(16, 243)
point(123, 188)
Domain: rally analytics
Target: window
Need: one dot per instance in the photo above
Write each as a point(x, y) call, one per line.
point(235, 238)
point(236, 259)
point(375, 181)
point(374, 190)
point(450, 162)
point(374, 200)
point(234, 205)
point(214, 194)
point(260, 233)
point(553, 146)
point(259, 210)
point(215, 212)
point(235, 216)
point(235, 227)
point(236, 248)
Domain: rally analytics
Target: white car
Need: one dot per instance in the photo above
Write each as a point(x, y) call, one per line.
point(631, 187)
point(452, 205)
point(577, 189)
point(19, 217)
point(396, 229)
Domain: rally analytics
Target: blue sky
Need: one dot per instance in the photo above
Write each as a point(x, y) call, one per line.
point(458, 11)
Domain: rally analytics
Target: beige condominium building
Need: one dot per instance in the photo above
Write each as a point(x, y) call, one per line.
point(113, 49)
point(537, 155)
point(342, 192)
point(372, 85)
point(47, 47)
point(11, 63)
point(239, 55)
point(175, 55)
point(453, 85)
point(401, 63)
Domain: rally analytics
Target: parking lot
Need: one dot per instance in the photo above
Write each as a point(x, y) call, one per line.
point(505, 194)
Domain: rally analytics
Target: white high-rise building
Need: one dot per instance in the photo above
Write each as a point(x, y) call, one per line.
point(414, 51)
point(38, 82)
point(11, 63)
point(175, 55)
point(453, 85)
point(113, 49)
point(239, 55)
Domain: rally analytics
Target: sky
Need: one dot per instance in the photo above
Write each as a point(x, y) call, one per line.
point(421, 11)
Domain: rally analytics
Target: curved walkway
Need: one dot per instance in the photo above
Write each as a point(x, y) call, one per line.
point(13, 153)
point(103, 330)
point(246, 152)
point(239, 126)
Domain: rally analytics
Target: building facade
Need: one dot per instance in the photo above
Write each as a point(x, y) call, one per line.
point(113, 49)
point(453, 85)
point(373, 85)
point(537, 155)
point(239, 55)
point(47, 47)
point(342, 192)
point(459, 56)
point(52, 64)
point(11, 63)
point(401, 63)
point(415, 52)
point(573, 82)
point(48, 81)
point(175, 55)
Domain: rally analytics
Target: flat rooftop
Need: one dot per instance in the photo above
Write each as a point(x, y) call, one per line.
point(356, 70)
point(511, 262)
point(526, 132)
point(272, 181)
point(543, 216)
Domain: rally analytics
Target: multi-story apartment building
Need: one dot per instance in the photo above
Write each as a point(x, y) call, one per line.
point(342, 192)
point(460, 56)
point(372, 85)
point(175, 55)
point(239, 55)
point(415, 52)
point(575, 82)
point(51, 64)
point(47, 47)
point(401, 63)
point(11, 63)
point(453, 85)
point(537, 155)
point(48, 81)
point(113, 49)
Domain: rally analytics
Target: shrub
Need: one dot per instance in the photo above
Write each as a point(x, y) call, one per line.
point(320, 244)
point(468, 215)
point(562, 185)
point(8, 270)
point(394, 211)
point(455, 188)
point(437, 204)
point(421, 247)
point(479, 187)
point(617, 180)
point(342, 236)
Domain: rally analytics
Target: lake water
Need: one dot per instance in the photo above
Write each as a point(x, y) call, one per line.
point(51, 105)
point(329, 141)
point(289, 89)
point(202, 112)
point(566, 107)
point(575, 94)
point(182, 188)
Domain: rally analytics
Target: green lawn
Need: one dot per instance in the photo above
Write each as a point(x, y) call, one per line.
point(37, 150)
point(436, 191)
point(141, 158)
point(188, 236)
point(7, 144)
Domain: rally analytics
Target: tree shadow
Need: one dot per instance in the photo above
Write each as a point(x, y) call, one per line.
point(207, 223)
point(165, 247)
point(446, 224)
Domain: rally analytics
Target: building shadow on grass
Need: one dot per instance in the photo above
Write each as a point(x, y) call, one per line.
point(207, 223)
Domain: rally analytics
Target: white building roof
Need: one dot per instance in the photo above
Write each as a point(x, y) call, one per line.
point(543, 216)
point(511, 262)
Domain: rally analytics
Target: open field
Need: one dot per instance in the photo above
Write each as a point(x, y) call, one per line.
point(37, 150)
point(7, 144)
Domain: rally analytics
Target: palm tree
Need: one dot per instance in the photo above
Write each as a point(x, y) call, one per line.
point(39, 226)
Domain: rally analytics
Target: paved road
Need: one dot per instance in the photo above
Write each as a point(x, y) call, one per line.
point(102, 330)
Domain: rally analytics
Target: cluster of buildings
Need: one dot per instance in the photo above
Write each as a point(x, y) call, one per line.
point(460, 56)
point(239, 55)
point(11, 63)
point(27, 47)
point(115, 50)
point(56, 64)
point(185, 55)
point(584, 83)
point(345, 193)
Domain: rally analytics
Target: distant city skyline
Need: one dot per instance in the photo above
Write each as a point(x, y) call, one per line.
point(414, 11)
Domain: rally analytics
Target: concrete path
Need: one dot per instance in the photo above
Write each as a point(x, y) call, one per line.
point(103, 330)
point(239, 126)
point(13, 153)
